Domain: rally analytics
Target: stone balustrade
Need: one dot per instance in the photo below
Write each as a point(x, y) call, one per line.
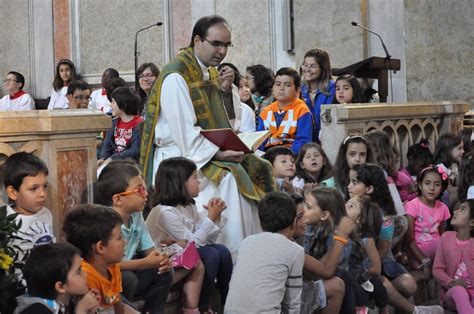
point(66, 141)
point(405, 123)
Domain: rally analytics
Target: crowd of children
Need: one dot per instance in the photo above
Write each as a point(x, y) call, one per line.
point(338, 236)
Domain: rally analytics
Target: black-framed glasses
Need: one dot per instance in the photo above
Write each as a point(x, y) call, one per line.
point(146, 76)
point(82, 98)
point(219, 44)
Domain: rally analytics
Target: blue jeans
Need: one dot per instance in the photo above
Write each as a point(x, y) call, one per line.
point(218, 265)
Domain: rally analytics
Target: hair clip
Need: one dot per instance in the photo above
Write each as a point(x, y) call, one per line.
point(353, 137)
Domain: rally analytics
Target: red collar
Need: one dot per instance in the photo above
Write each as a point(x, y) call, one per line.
point(104, 93)
point(17, 94)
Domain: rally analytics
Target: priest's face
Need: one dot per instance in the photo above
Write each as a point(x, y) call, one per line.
point(212, 49)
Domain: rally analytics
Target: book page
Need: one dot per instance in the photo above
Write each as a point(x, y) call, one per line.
point(253, 139)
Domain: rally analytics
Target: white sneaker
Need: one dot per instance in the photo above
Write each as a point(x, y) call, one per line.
point(433, 309)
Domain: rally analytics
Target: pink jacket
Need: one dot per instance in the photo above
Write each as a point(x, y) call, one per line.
point(447, 260)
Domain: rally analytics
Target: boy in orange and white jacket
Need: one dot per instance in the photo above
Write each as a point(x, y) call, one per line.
point(288, 118)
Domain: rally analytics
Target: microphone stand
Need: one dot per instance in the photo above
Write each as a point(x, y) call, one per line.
point(136, 53)
point(387, 55)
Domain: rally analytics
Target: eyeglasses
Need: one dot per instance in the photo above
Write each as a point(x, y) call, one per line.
point(9, 80)
point(310, 66)
point(140, 190)
point(219, 44)
point(146, 76)
point(82, 98)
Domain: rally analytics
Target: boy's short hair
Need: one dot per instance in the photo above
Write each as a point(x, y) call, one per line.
point(114, 179)
point(276, 211)
point(21, 165)
point(291, 73)
point(112, 85)
point(88, 224)
point(19, 78)
point(77, 85)
point(276, 151)
point(46, 265)
point(127, 100)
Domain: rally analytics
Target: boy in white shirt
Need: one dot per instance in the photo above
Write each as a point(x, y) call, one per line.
point(16, 99)
point(26, 184)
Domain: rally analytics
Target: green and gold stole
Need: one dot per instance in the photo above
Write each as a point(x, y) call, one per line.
point(254, 175)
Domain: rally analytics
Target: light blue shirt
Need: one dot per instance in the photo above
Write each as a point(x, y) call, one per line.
point(137, 236)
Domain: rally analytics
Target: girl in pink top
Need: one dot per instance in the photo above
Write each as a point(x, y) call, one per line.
point(453, 267)
point(426, 216)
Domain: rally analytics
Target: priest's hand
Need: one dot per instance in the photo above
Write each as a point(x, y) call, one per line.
point(229, 155)
point(226, 78)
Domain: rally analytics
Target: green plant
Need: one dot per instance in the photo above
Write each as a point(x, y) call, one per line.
point(10, 284)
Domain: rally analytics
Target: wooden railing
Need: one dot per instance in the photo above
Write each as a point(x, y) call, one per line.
point(405, 123)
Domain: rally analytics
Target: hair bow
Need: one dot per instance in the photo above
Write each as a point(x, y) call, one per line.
point(424, 143)
point(443, 173)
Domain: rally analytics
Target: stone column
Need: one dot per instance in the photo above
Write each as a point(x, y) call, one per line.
point(66, 141)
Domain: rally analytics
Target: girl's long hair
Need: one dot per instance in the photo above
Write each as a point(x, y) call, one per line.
point(444, 146)
point(58, 82)
point(372, 174)
point(325, 171)
point(466, 175)
point(385, 155)
point(357, 95)
point(341, 168)
point(170, 182)
point(370, 219)
point(329, 200)
point(322, 59)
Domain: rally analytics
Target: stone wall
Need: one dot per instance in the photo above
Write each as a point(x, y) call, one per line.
point(439, 49)
point(14, 40)
point(433, 38)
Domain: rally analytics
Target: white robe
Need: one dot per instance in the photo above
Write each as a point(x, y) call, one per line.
point(176, 135)
point(58, 99)
point(24, 102)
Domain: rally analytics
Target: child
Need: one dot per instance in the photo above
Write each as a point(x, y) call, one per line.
point(354, 150)
point(95, 230)
point(368, 218)
point(419, 157)
point(466, 177)
point(324, 210)
point(121, 186)
point(245, 94)
point(99, 100)
point(269, 262)
point(448, 154)
point(453, 267)
point(312, 167)
point(65, 73)
point(426, 217)
point(123, 139)
point(25, 178)
point(16, 99)
point(56, 282)
point(288, 118)
point(369, 180)
point(176, 216)
point(348, 90)
point(283, 162)
point(78, 95)
point(321, 289)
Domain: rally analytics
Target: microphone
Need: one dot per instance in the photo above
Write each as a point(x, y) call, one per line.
point(136, 53)
point(387, 55)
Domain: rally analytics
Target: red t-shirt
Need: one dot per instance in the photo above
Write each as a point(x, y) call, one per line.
point(123, 133)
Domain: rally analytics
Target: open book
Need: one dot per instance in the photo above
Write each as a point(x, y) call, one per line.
point(227, 139)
